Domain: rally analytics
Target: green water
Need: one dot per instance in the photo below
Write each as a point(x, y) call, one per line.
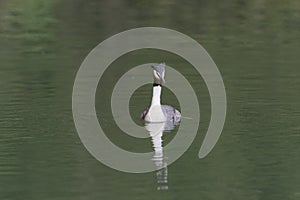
point(255, 44)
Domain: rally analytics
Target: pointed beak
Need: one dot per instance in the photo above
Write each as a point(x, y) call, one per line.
point(160, 72)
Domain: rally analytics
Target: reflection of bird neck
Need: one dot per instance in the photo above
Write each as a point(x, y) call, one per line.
point(159, 161)
point(156, 132)
point(156, 95)
point(157, 145)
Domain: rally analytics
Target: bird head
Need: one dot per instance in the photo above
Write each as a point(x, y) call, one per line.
point(159, 73)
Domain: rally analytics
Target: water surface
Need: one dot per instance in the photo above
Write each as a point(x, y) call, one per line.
point(255, 44)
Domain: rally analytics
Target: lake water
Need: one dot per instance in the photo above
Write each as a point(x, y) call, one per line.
point(256, 46)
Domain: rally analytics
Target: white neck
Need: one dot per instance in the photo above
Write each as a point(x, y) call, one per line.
point(156, 95)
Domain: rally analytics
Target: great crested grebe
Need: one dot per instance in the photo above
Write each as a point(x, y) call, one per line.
point(157, 112)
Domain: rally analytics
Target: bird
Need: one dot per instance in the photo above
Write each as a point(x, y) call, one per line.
point(159, 118)
point(157, 112)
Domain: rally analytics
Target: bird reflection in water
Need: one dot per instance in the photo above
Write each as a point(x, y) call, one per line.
point(156, 131)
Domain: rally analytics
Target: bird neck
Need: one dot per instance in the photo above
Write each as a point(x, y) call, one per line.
point(156, 95)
